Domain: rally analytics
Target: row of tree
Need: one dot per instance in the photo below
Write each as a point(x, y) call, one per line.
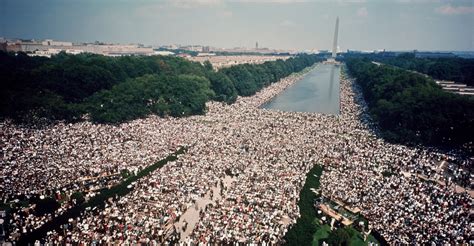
point(412, 108)
point(301, 233)
point(118, 89)
point(247, 79)
point(150, 94)
point(443, 68)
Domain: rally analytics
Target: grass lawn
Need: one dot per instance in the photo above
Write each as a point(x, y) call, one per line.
point(358, 240)
point(323, 231)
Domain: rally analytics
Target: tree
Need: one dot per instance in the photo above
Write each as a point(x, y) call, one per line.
point(45, 206)
point(223, 87)
point(78, 197)
point(339, 237)
point(410, 108)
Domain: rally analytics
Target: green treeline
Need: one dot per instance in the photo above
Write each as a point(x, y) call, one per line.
point(118, 89)
point(454, 68)
point(411, 108)
point(150, 94)
point(302, 232)
point(248, 78)
point(65, 86)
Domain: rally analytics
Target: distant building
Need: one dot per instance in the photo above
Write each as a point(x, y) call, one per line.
point(197, 48)
point(31, 47)
point(50, 42)
point(206, 54)
point(353, 51)
point(3, 46)
point(118, 50)
point(50, 47)
point(419, 54)
point(205, 49)
point(183, 55)
point(13, 47)
point(51, 52)
point(163, 53)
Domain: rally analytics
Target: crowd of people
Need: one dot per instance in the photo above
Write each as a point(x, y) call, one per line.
point(82, 157)
point(383, 180)
point(267, 152)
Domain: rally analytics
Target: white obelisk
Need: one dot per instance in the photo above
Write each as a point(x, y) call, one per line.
point(334, 46)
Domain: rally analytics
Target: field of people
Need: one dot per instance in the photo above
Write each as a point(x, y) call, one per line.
point(267, 153)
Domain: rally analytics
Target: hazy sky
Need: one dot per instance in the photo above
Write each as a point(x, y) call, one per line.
point(287, 24)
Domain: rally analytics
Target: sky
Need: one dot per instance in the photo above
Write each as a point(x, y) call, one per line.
point(279, 24)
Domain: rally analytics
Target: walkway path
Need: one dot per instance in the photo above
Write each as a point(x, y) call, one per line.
point(456, 188)
point(191, 216)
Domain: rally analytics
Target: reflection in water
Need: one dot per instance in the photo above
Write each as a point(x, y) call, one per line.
point(317, 92)
point(331, 82)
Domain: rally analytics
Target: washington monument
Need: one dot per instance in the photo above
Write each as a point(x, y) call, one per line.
point(332, 59)
point(334, 45)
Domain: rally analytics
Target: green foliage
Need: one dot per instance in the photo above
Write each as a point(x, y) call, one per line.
point(119, 89)
point(124, 173)
point(79, 197)
point(302, 232)
point(339, 237)
point(223, 87)
point(411, 108)
point(162, 95)
point(57, 88)
point(243, 80)
point(250, 78)
point(45, 206)
point(322, 232)
point(455, 69)
point(387, 173)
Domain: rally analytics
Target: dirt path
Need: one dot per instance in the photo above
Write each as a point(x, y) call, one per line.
point(191, 216)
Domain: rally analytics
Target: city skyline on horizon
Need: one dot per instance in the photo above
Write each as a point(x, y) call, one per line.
point(364, 25)
point(225, 48)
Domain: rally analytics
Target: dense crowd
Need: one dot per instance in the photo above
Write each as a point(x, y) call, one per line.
point(51, 157)
point(267, 152)
point(383, 180)
point(66, 158)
